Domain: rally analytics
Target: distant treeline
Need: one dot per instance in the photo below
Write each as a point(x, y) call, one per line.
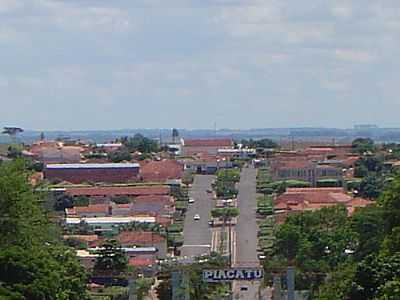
point(312, 133)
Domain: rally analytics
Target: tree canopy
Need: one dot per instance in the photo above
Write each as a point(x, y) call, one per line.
point(341, 257)
point(140, 143)
point(34, 264)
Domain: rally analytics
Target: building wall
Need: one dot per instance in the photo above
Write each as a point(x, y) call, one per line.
point(111, 175)
point(310, 174)
point(212, 150)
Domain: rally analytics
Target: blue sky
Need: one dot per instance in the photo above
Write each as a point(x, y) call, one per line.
point(97, 64)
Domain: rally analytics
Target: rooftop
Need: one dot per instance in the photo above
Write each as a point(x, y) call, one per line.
point(139, 237)
point(224, 142)
point(110, 220)
point(118, 190)
point(93, 166)
point(161, 170)
point(298, 199)
point(141, 260)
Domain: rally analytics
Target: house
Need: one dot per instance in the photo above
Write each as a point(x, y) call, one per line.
point(92, 172)
point(302, 199)
point(106, 193)
point(237, 153)
point(161, 171)
point(143, 257)
point(209, 146)
point(303, 169)
point(159, 205)
point(143, 239)
point(108, 223)
point(54, 152)
point(153, 205)
point(206, 165)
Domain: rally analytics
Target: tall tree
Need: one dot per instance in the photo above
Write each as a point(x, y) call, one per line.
point(34, 265)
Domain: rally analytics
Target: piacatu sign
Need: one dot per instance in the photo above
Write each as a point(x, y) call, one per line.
point(232, 274)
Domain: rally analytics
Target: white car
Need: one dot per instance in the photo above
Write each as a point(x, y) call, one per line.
point(191, 200)
point(196, 217)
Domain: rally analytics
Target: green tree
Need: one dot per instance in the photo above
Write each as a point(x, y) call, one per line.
point(111, 259)
point(362, 145)
point(34, 265)
point(371, 187)
point(120, 155)
point(140, 143)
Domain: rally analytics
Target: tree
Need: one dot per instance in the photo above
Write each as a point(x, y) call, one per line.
point(34, 265)
point(363, 145)
point(263, 143)
point(225, 213)
point(63, 201)
point(120, 155)
point(81, 201)
point(372, 274)
point(140, 143)
point(371, 187)
point(14, 152)
point(111, 258)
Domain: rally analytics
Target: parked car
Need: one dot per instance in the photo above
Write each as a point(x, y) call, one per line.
point(211, 223)
point(191, 200)
point(196, 217)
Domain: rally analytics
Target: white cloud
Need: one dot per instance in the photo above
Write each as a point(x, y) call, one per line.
point(342, 10)
point(356, 56)
point(7, 34)
point(7, 6)
point(81, 17)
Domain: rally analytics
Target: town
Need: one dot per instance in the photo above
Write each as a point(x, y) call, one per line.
point(146, 219)
point(199, 150)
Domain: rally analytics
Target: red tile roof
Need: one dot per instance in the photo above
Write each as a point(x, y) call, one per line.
point(139, 237)
point(142, 260)
point(161, 170)
point(120, 191)
point(208, 142)
point(92, 208)
point(298, 199)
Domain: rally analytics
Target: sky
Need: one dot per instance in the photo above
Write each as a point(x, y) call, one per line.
point(99, 64)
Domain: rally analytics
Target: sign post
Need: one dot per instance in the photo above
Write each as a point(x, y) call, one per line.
point(225, 275)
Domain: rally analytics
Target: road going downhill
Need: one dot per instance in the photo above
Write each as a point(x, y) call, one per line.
point(246, 233)
point(197, 234)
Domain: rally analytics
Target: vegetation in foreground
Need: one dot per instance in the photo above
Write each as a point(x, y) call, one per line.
point(34, 264)
point(341, 257)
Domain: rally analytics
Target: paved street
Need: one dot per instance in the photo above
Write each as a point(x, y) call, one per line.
point(197, 234)
point(246, 232)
